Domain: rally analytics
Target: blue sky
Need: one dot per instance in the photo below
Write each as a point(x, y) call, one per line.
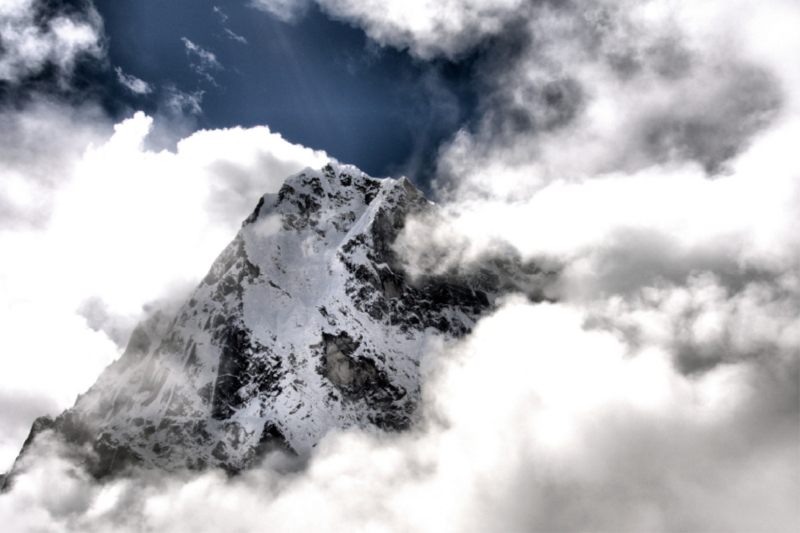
point(318, 81)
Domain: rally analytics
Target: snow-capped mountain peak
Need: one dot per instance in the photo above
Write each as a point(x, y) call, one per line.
point(306, 322)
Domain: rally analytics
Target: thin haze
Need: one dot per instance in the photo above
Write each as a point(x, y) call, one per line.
point(645, 151)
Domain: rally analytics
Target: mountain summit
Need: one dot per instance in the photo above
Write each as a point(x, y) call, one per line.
point(307, 321)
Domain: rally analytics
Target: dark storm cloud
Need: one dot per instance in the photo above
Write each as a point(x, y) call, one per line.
point(706, 319)
point(674, 100)
point(648, 467)
point(534, 108)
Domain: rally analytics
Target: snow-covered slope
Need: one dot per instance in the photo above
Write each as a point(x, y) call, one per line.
point(307, 321)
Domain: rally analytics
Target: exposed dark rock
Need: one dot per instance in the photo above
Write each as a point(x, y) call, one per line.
point(339, 367)
point(110, 457)
point(232, 364)
point(233, 261)
point(138, 345)
point(74, 428)
point(254, 215)
point(358, 378)
point(220, 452)
point(272, 440)
point(39, 425)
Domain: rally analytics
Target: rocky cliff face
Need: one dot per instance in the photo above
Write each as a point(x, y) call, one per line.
point(307, 321)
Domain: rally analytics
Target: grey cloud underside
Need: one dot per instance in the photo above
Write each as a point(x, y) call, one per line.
point(718, 126)
point(308, 321)
point(542, 71)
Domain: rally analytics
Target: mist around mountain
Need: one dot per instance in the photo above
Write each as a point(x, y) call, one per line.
point(641, 155)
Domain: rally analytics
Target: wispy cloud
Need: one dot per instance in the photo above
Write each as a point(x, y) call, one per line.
point(132, 83)
point(235, 37)
point(183, 103)
point(222, 16)
point(201, 60)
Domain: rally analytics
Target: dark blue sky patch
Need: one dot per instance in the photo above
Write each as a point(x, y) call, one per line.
point(317, 82)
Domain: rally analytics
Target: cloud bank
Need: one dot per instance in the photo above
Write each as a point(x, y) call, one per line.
point(642, 150)
point(534, 423)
